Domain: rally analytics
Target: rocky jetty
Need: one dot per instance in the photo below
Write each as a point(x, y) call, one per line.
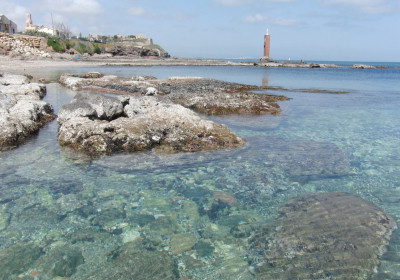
point(362, 66)
point(22, 111)
point(97, 123)
point(322, 236)
point(207, 96)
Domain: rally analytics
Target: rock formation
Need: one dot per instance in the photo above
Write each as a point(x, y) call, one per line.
point(207, 96)
point(96, 123)
point(136, 51)
point(322, 236)
point(22, 112)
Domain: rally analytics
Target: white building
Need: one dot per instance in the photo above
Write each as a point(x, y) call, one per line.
point(40, 28)
point(7, 25)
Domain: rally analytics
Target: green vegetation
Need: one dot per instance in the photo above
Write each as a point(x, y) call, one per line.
point(56, 44)
point(97, 48)
point(82, 48)
point(37, 33)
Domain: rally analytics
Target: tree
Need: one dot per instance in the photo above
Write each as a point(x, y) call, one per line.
point(62, 30)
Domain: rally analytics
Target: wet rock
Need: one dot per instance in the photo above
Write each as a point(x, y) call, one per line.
point(130, 263)
point(109, 214)
point(231, 221)
point(69, 203)
point(17, 259)
point(142, 219)
point(149, 122)
point(204, 249)
point(4, 220)
point(191, 209)
point(206, 96)
point(224, 197)
point(62, 262)
point(22, 112)
point(322, 236)
point(129, 236)
point(182, 242)
point(162, 203)
point(164, 226)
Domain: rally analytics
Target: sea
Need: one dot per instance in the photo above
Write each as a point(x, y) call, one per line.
point(64, 215)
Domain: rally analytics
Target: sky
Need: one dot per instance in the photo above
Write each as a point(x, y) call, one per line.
point(328, 30)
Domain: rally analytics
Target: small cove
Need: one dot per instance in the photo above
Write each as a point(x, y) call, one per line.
point(321, 143)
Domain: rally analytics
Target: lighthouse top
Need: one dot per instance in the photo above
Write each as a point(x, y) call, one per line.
point(267, 32)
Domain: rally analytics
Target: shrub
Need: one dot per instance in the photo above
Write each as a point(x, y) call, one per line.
point(97, 48)
point(55, 43)
point(82, 48)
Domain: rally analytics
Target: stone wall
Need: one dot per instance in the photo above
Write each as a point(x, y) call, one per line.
point(24, 45)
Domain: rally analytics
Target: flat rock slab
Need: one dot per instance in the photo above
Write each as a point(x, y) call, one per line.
point(207, 96)
point(322, 236)
point(95, 123)
point(22, 111)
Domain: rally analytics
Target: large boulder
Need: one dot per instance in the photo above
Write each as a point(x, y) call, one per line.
point(146, 122)
point(22, 112)
point(322, 236)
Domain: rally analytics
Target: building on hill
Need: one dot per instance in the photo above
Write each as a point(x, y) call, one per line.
point(7, 25)
point(140, 36)
point(39, 28)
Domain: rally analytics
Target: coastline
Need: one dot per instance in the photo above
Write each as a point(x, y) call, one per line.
point(20, 63)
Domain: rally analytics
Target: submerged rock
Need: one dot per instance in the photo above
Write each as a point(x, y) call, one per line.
point(322, 236)
point(17, 259)
point(130, 263)
point(21, 110)
point(63, 261)
point(182, 242)
point(95, 123)
point(207, 96)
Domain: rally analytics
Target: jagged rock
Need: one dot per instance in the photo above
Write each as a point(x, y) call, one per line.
point(206, 96)
point(362, 66)
point(92, 105)
point(21, 110)
point(147, 122)
point(322, 236)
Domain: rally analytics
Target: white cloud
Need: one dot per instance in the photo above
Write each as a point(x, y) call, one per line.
point(237, 3)
point(137, 11)
point(15, 13)
point(75, 7)
point(275, 21)
point(233, 3)
point(367, 6)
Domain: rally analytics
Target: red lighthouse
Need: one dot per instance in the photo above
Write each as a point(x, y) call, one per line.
point(267, 44)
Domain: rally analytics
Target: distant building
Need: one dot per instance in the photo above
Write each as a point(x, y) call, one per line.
point(39, 28)
point(7, 25)
point(140, 36)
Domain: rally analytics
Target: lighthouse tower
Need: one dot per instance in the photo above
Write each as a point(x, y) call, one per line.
point(267, 44)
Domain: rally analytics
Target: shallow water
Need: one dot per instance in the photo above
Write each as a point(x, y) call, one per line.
point(321, 143)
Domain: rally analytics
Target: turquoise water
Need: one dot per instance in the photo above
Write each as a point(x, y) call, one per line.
point(57, 198)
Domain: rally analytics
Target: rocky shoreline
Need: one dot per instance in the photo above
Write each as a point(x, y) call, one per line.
point(206, 96)
point(22, 111)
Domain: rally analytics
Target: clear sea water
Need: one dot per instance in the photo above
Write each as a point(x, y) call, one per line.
point(57, 198)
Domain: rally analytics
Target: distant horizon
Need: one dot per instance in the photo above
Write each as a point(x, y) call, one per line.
point(305, 60)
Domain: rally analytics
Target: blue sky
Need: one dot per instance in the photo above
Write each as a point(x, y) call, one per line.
point(355, 30)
